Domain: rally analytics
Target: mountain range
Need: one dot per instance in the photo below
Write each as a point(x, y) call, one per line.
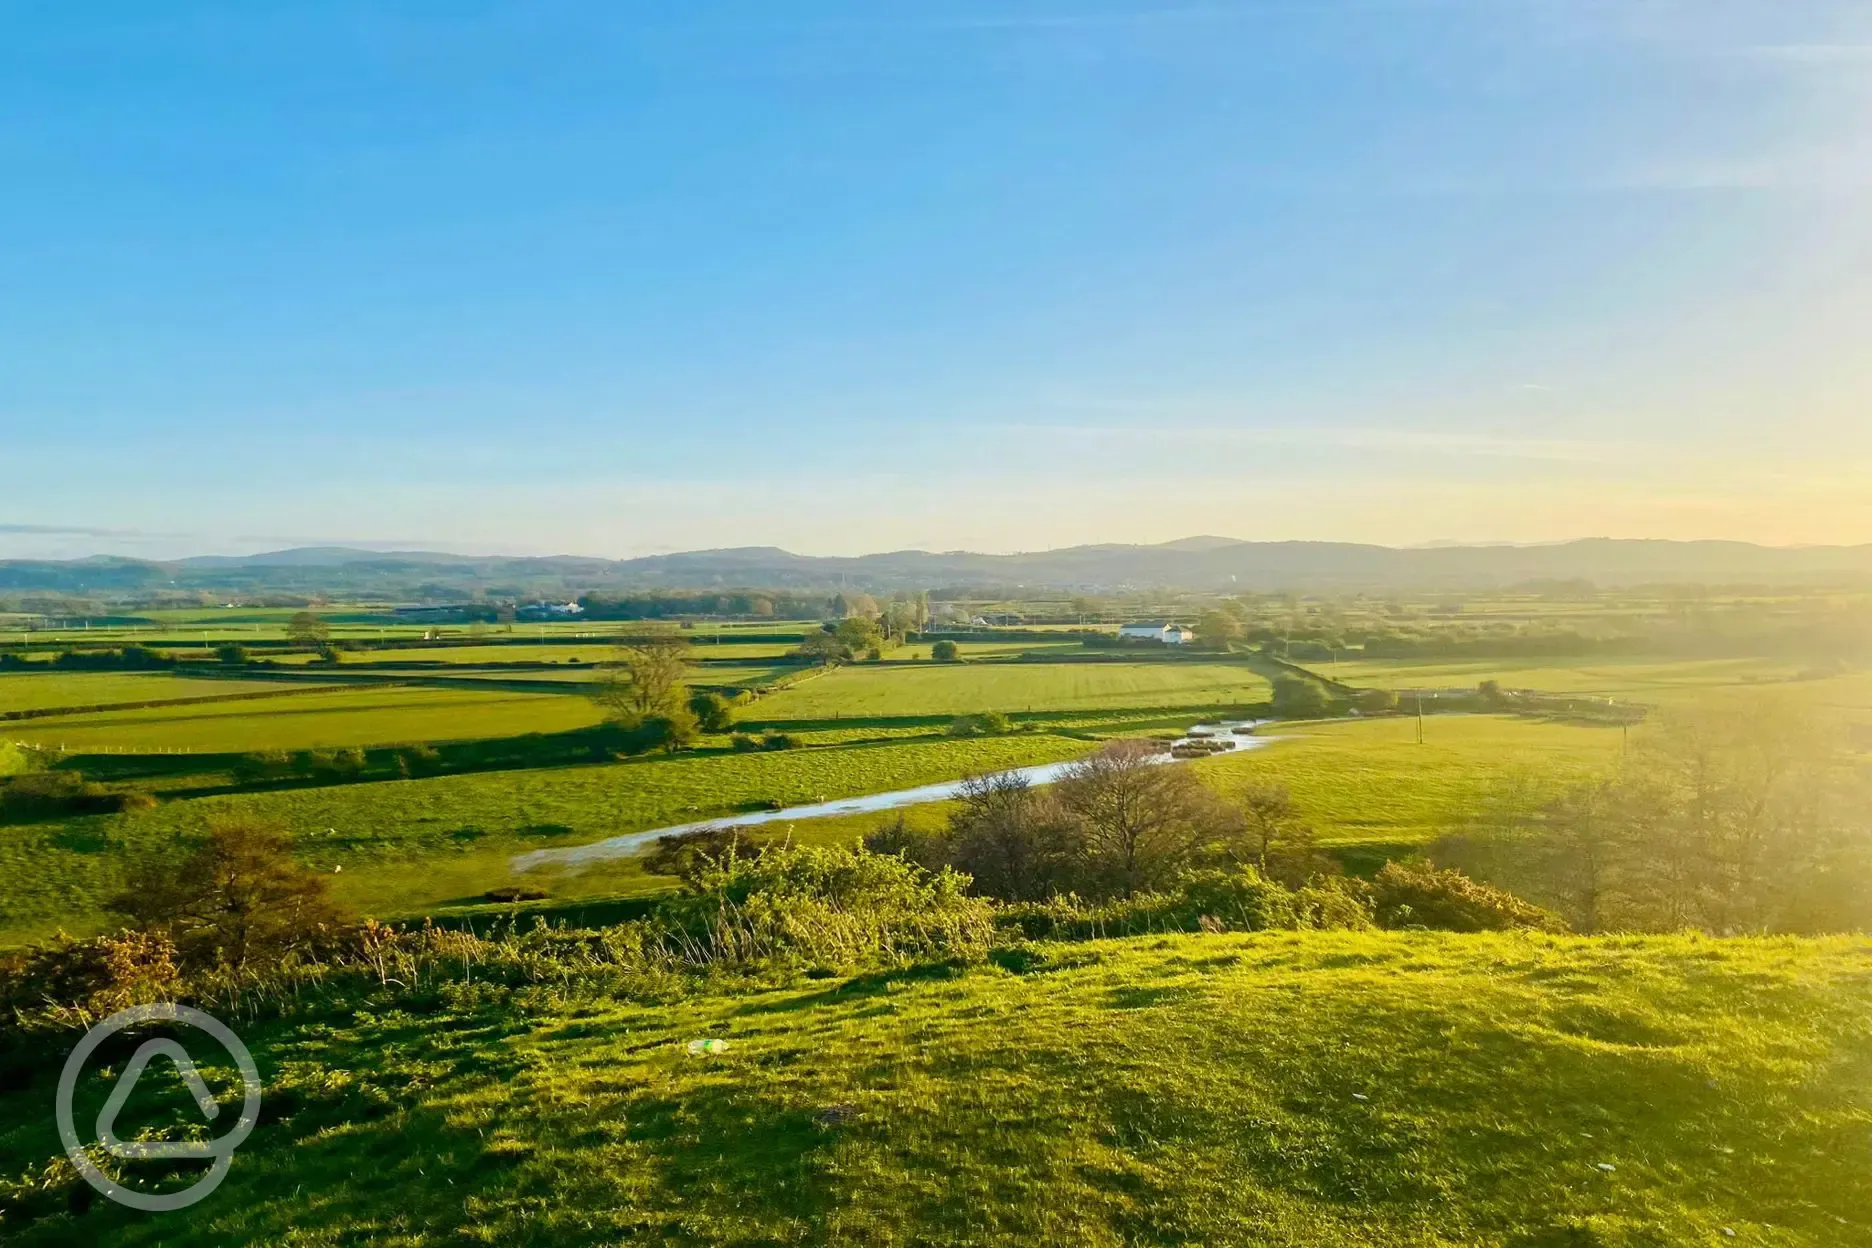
point(1197, 563)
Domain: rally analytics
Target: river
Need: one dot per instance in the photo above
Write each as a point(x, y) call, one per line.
point(1238, 731)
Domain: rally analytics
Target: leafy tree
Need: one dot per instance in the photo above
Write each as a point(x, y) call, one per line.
point(1216, 629)
point(240, 900)
point(858, 633)
point(712, 711)
point(233, 654)
point(307, 630)
point(1376, 701)
point(945, 652)
point(824, 647)
point(1298, 698)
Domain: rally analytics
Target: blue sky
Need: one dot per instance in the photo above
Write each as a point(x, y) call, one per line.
point(614, 278)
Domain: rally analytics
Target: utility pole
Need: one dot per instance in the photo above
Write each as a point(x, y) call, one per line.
point(1420, 717)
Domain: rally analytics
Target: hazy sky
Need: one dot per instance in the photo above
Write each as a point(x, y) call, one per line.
point(614, 278)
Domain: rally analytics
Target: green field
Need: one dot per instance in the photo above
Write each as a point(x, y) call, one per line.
point(1370, 782)
point(1656, 681)
point(365, 715)
point(863, 691)
point(1284, 1090)
point(398, 847)
point(34, 691)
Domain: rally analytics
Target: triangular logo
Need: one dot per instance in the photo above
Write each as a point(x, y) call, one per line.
point(126, 1084)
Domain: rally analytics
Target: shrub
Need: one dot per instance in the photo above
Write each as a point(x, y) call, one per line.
point(1298, 698)
point(946, 652)
point(778, 741)
point(711, 710)
point(986, 724)
point(687, 855)
point(742, 743)
point(1419, 895)
point(418, 760)
point(85, 980)
point(57, 794)
point(1376, 701)
point(671, 730)
point(929, 850)
point(263, 766)
point(827, 906)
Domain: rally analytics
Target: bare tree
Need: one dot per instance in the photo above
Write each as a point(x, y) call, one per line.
point(646, 677)
point(1010, 838)
point(1138, 823)
point(1275, 836)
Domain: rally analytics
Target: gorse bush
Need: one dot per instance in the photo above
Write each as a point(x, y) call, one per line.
point(1222, 900)
point(1419, 895)
point(832, 906)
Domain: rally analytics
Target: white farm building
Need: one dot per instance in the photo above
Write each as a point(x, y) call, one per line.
point(1157, 630)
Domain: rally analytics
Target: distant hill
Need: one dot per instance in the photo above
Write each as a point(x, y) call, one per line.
point(1189, 563)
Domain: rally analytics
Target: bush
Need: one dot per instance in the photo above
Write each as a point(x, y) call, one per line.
point(260, 767)
point(1298, 698)
point(987, 724)
point(711, 710)
point(687, 855)
point(233, 654)
point(86, 980)
point(59, 794)
point(1238, 900)
point(1418, 895)
point(778, 741)
point(946, 652)
point(670, 731)
point(742, 743)
point(1375, 701)
point(418, 760)
point(826, 906)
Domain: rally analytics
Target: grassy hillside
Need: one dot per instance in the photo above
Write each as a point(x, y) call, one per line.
point(1406, 1090)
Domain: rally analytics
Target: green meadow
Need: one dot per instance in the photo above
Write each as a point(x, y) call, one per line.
point(1650, 680)
point(886, 690)
point(1370, 782)
point(40, 691)
point(1279, 1090)
point(399, 847)
point(357, 716)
